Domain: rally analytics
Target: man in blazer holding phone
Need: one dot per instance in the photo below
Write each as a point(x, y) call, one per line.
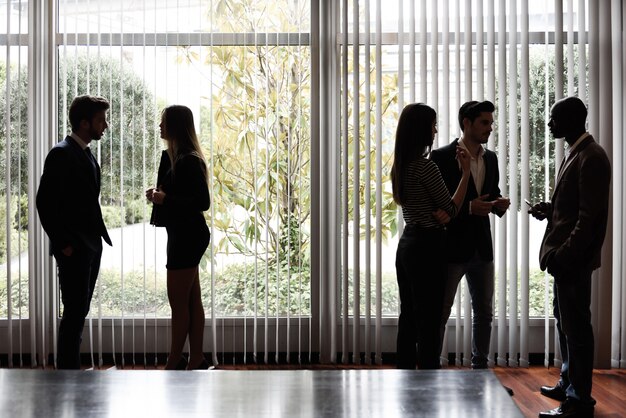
point(469, 250)
point(70, 213)
point(577, 218)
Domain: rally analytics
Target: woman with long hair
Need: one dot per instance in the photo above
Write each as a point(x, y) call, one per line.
point(180, 198)
point(420, 264)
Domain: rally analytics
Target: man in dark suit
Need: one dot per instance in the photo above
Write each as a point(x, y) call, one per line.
point(577, 218)
point(69, 210)
point(469, 248)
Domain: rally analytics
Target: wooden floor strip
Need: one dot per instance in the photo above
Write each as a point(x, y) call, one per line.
point(609, 390)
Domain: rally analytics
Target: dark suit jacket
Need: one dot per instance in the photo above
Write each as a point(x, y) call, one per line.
point(579, 210)
point(187, 192)
point(67, 198)
point(468, 233)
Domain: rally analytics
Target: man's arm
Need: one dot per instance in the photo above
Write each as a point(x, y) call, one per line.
point(499, 204)
point(593, 194)
point(49, 197)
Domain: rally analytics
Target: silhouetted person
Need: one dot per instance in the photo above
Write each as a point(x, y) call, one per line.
point(179, 201)
point(577, 218)
point(420, 263)
point(68, 206)
point(469, 250)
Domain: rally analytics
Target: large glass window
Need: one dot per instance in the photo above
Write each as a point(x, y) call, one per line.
point(14, 295)
point(244, 70)
point(423, 57)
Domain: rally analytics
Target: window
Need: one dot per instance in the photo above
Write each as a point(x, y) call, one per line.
point(244, 70)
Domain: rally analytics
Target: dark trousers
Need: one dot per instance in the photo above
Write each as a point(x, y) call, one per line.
point(420, 269)
point(77, 278)
point(572, 298)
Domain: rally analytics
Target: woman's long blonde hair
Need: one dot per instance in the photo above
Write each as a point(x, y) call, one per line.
point(180, 133)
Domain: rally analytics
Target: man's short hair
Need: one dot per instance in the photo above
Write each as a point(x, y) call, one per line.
point(572, 110)
point(85, 108)
point(473, 109)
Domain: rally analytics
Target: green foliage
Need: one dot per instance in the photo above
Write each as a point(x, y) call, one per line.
point(253, 16)
point(279, 291)
point(129, 148)
point(536, 292)
point(260, 148)
point(19, 239)
point(137, 211)
point(130, 294)
point(17, 137)
point(389, 100)
point(390, 299)
point(539, 138)
point(19, 293)
point(21, 214)
point(112, 216)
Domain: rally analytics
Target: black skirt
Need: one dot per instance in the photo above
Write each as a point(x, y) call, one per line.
point(186, 245)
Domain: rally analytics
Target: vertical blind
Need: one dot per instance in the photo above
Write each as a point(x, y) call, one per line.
point(536, 53)
point(296, 104)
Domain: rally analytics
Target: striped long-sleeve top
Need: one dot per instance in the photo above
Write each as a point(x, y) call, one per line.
point(425, 192)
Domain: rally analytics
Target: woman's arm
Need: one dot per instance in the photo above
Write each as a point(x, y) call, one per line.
point(192, 190)
point(459, 195)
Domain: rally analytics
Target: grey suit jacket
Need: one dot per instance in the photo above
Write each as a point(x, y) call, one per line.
point(579, 210)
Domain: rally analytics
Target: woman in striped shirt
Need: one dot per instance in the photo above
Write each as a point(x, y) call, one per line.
point(420, 265)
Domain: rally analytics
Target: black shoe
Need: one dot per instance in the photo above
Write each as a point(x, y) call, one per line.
point(182, 364)
point(555, 392)
point(570, 408)
point(204, 365)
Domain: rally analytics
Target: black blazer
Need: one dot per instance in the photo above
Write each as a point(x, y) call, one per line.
point(67, 198)
point(186, 189)
point(468, 233)
point(579, 210)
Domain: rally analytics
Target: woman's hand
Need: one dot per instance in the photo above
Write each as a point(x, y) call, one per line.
point(441, 216)
point(464, 159)
point(150, 192)
point(155, 195)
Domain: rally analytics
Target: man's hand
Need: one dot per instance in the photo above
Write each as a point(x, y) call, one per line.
point(441, 216)
point(502, 204)
point(540, 210)
point(480, 206)
point(68, 251)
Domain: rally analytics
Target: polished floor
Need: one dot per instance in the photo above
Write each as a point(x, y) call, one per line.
point(280, 393)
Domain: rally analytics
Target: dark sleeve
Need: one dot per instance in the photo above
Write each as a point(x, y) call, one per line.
point(49, 197)
point(164, 165)
point(192, 189)
point(495, 193)
point(157, 217)
point(593, 195)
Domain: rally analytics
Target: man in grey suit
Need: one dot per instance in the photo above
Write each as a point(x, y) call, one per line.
point(69, 210)
point(577, 218)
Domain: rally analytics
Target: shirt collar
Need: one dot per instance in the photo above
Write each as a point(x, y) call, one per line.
point(577, 143)
point(481, 150)
point(79, 141)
